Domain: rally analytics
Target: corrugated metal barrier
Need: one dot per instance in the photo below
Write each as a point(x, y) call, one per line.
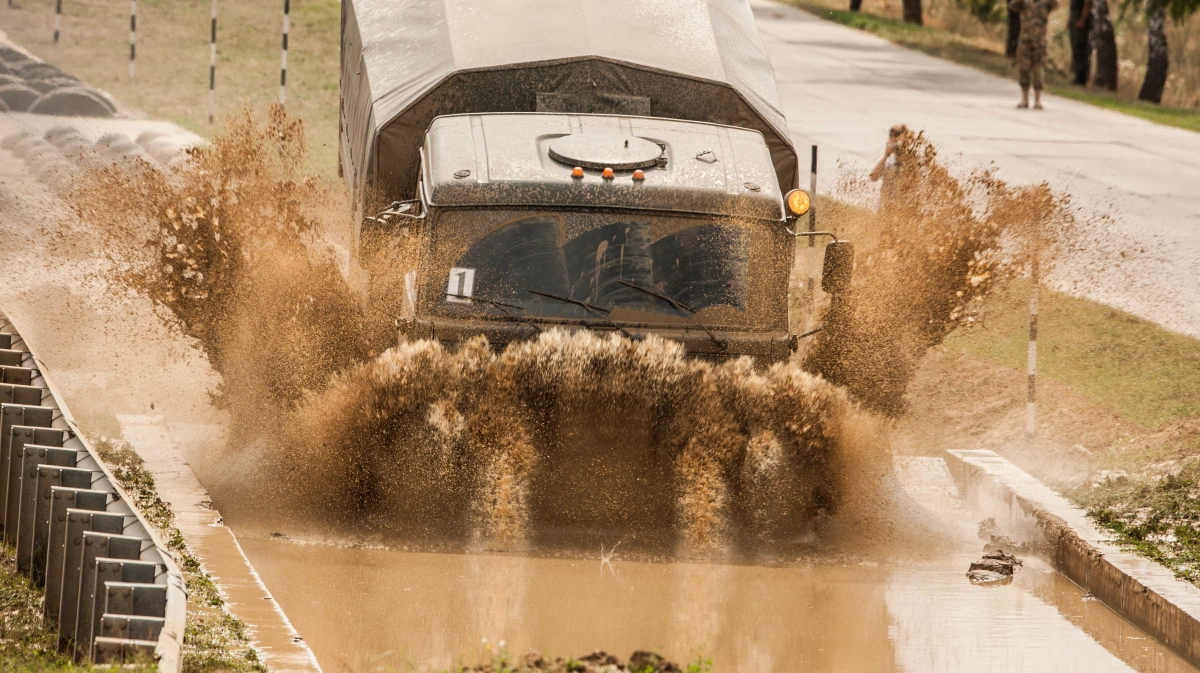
point(113, 592)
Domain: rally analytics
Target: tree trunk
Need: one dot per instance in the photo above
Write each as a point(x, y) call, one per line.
point(1105, 44)
point(1014, 34)
point(912, 12)
point(855, 5)
point(1157, 59)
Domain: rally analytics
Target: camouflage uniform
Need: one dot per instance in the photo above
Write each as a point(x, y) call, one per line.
point(1031, 47)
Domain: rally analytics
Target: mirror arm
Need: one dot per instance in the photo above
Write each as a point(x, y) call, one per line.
point(813, 233)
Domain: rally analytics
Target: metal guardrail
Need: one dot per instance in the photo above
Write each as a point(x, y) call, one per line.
point(113, 592)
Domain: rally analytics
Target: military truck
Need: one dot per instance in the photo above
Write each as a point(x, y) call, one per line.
point(618, 166)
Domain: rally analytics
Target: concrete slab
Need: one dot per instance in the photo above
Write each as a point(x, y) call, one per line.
point(247, 598)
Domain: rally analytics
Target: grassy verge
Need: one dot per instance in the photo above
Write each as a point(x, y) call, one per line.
point(1143, 484)
point(1157, 517)
point(1123, 363)
point(982, 55)
point(213, 640)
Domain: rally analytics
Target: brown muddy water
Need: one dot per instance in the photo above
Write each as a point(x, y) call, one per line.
point(379, 610)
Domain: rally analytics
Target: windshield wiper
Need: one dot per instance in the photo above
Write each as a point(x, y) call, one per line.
point(683, 309)
point(601, 313)
point(493, 302)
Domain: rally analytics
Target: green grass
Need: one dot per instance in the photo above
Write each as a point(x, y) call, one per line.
point(952, 47)
point(1130, 366)
point(1159, 520)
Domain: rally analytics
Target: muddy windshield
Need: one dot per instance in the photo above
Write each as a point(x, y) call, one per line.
point(606, 266)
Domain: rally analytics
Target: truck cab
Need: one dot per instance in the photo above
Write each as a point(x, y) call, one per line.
point(634, 225)
point(598, 165)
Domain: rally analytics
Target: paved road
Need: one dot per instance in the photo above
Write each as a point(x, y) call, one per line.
point(842, 88)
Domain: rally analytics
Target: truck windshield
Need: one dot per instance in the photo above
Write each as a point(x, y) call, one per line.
point(603, 266)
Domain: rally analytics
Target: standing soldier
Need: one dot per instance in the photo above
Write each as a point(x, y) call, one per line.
point(1079, 25)
point(893, 167)
point(1031, 48)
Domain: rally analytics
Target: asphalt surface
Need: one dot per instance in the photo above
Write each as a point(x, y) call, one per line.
point(1135, 183)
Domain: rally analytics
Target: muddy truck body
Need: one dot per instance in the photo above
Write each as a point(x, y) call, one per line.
point(616, 166)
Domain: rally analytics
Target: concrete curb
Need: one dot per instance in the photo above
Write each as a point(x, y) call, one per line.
point(1143, 592)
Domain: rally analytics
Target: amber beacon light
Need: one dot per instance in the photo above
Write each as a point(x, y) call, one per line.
point(798, 202)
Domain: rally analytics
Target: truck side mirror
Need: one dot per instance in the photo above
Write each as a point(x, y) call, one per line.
point(838, 267)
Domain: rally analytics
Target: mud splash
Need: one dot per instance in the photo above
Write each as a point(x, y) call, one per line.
point(461, 441)
point(231, 247)
point(565, 434)
point(938, 246)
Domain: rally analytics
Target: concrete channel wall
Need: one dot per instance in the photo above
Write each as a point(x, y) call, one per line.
point(1143, 592)
point(113, 592)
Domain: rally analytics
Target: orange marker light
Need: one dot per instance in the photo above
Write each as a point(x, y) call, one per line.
point(639, 175)
point(607, 174)
point(798, 202)
point(577, 172)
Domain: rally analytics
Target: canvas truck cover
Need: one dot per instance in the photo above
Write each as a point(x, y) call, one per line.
point(405, 62)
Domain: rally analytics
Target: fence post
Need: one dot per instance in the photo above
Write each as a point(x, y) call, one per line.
point(212, 66)
point(812, 242)
point(287, 10)
point(57, 18)
point(1035, 279)
point(132, 36)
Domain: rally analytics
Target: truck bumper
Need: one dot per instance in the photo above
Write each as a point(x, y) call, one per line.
point(769, 346)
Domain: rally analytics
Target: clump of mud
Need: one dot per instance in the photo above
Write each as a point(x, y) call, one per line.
point(937, 248)
point(599, 661)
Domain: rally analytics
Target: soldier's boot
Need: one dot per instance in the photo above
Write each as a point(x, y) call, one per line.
point(1024, 104)
point(1037, 99)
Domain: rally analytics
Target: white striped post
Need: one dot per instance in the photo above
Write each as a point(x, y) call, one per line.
point(1034, 279)
point(212, 66)
point(132, 36)
point(287, 10)
point(57, 19)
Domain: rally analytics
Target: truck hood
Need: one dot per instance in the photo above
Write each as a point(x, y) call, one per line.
point(507, 160)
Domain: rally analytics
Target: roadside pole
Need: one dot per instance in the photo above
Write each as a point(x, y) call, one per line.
point(1034, 279)
point(811, 290)
point(132, 36)
point(287, 10)
point(212, 65)
point(57, 19)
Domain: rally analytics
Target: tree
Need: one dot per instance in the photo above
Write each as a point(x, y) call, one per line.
point(912, 12)
point(1104, 40)
point(1157, 57)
